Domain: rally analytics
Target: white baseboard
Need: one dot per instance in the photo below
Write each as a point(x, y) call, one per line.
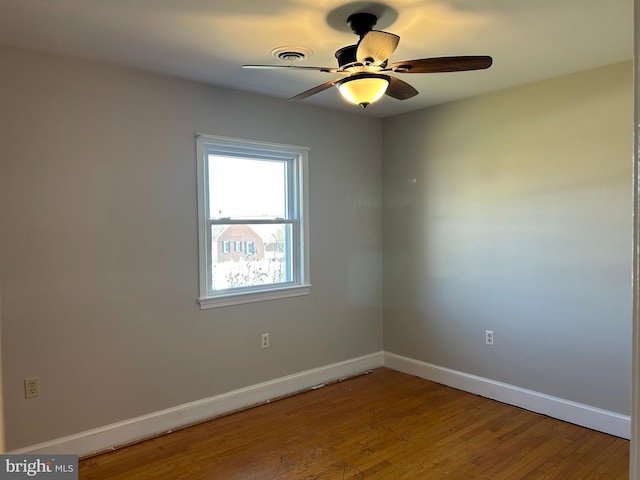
point(122, 433)
point(127, 431)
point(580, 414)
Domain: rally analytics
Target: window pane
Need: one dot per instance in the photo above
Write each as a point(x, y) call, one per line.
point(265, 256)
point(246, 188)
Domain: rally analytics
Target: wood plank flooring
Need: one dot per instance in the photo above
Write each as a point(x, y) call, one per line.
point(382, 425)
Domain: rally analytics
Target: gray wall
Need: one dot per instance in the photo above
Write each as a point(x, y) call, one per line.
point(98, 257)
point(512, 212)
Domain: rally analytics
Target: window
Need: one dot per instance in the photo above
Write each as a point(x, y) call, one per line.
point(252, 196)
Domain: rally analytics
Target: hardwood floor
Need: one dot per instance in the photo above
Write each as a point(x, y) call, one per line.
point(383, 425)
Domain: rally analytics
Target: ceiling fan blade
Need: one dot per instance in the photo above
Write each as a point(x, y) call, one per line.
point(314, 90)
point(376, 47)
point(292, 67)
point(400, 90)
point(442, 64)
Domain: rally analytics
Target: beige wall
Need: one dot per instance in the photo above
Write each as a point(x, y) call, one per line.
point(99, 255)
point(512, 212)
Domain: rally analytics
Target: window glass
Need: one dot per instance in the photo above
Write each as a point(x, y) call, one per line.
point(246, 188)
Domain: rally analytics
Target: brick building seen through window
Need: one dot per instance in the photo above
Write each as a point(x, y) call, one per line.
point(241, 242)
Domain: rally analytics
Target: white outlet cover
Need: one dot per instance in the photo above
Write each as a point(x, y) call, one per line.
point(31, 387)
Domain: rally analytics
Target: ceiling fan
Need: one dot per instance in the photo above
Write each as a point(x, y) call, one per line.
point(364, 66)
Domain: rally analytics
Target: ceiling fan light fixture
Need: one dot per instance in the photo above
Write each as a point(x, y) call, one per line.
point(363, 89)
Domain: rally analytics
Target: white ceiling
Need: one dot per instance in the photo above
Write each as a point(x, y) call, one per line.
point(209, 40)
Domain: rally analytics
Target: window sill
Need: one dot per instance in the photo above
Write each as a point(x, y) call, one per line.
point(230, 299)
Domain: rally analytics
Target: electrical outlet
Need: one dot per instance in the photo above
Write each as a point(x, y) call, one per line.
point(488, 337)
point(31, 387)
point(265, 340)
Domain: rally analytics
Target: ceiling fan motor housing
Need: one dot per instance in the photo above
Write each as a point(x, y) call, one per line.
point(347, 55)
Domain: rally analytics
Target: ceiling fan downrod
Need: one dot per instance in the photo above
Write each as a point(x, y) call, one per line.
point(362, 23)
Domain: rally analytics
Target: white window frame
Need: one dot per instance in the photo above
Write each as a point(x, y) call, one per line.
point(298, 192)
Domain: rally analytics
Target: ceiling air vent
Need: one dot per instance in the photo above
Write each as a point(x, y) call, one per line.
point(292, 53)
